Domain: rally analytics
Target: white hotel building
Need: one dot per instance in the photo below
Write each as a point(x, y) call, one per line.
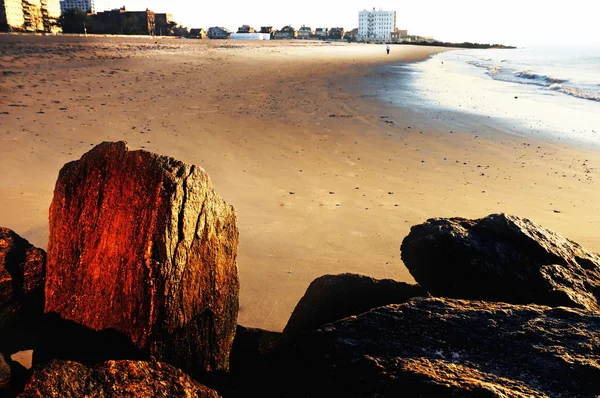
point(376, 25)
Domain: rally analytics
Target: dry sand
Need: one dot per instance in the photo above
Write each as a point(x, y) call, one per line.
point(315, 193)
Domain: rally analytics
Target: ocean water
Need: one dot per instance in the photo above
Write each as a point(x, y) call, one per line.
point(552, 92)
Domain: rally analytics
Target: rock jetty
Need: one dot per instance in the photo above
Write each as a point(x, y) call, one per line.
point(141, 298)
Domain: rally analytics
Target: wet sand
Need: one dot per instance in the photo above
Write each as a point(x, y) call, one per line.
point(324, 177)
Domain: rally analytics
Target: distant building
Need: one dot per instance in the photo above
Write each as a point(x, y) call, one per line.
point(50, 15)
point(83, 5)
point(322, 33)
point(376, 25)
point(30, 15)
point(266, 29)
point(415, 38)
point(250, 36)
point(305, 32)
point(246, 29)
point(218, 32)
point(163, 24)
point(287, 32)
point(399, 36)
point(181, 31)
point(121, 21)
point(11, 15)
point(198, 34)
point(352, 35)
point(336, 33)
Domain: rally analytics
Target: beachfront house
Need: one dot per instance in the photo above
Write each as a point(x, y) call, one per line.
point(198, 33)
point(287, 32)
point(218, 32)
point(322, 33)
point(336, 33)
point(352, 36)
point(246, 29)
point(305, 32)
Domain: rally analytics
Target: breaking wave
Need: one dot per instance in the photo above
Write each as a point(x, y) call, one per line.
point(529, 77)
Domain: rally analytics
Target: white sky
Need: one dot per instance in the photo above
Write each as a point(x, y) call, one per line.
point(519, 22)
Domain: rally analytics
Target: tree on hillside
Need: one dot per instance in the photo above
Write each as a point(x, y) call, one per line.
point(73, 21)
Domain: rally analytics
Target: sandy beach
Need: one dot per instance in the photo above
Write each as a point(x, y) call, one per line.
point(325, 179)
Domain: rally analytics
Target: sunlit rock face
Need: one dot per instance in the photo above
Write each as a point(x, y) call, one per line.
point(22, 272)
point(142, 244)
point(114, 379)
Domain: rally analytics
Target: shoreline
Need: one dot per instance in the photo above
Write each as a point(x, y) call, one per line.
point(258, 119)
point(544, 115)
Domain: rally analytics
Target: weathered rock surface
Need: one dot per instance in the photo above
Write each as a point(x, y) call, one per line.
point(250, 346)
point(4, 374)
point(447, 347)
point(502, 258)
point(247, 376)
point(113, 379)
point(333, 297)
point(22, 273)
point(13, 377)
point(142, 244)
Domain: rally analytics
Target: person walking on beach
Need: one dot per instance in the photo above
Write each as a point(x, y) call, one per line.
point(388, 49)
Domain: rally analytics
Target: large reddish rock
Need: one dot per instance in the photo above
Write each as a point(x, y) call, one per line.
point(502, 258)
point(115, 379)
point(22, 273)
point(143, 245)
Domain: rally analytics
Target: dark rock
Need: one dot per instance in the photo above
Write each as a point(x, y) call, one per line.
point(68, 340)
point(4, 374)
point(142, 244)
point(13, 377)
point(113, 379)
point(502, 258)
point(248, 364)
point(333, 297)
point(22, 274)
point(446, 347)
point(249, 346)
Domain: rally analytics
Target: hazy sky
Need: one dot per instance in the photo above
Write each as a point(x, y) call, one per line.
point(519, 22)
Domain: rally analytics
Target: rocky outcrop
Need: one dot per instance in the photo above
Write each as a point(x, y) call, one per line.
point(4, 374)
point(22, 273)
point(114, 379)
point(13, 377)
point(447, 347)
point(333, 297)
point(502, 258)
point(143, 245)
point(250, 346)
point(247, 374)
